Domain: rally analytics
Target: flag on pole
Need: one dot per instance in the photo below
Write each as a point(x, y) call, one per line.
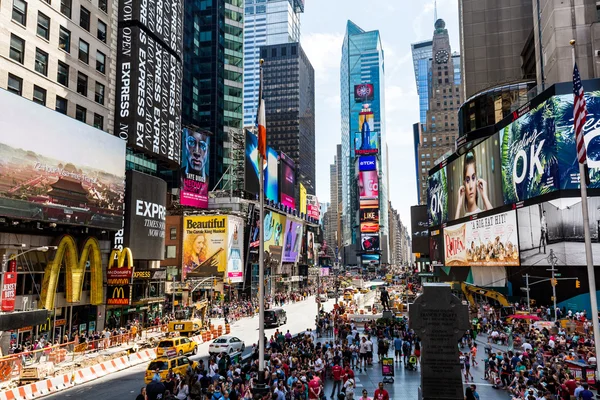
point(261, 120)
point(579, 114)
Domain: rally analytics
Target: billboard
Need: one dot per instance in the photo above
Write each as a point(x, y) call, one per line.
point(369, 203)
point(194, 171)
point(553, 232)
point(145, 215)
point(148, 109)
point(369, 242)
point(302, 189)
point(367, 163)
point(204, 246)
point(486, 241)
point(366, 140)
point(293, 241)
point(312, 206)
point(370, 260)
point(71, 173)
point(164, 18)
point(368, 185)
point(273, 228)
point(287, 181)
point(252, 183)
point(436, 247)
point(437, 197)
point(9, 289)
point(369, 214)
point(364, 92)
point(475, 180)
point(311, 251)
point(419, 229)
point(235, 246)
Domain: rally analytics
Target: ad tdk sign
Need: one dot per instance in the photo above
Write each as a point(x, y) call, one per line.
point(145, 215)
point(367, 163)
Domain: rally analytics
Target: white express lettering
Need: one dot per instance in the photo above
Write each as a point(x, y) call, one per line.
point(150, 210)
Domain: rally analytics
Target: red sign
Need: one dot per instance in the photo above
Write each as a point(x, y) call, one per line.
point(9, 290)
point(119, 276)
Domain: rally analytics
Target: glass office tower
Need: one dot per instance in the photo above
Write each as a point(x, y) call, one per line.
point(421, 54)
point(265, 24)
point(213, 84)
point(362, 63)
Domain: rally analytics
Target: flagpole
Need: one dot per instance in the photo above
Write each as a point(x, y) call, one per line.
point(588, 246)
point(261, 261)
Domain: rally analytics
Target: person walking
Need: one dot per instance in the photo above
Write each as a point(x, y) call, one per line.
point(398, 348)
point(381, 393)
point(337, 372)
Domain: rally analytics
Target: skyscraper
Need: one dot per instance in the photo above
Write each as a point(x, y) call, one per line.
point(363, 135)
point(421, 53)
point(289, 93)
point(438, 135)
point(265, 24)
point(213, 84)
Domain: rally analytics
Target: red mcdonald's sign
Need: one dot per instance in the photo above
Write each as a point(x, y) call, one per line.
point(9, 290)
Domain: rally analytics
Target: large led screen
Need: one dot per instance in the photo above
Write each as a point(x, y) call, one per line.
point(369, 242)
point(419, 229)
point(475, 180)
point(273, 229)
point(367, 139)
point(368, 185)
point(436, 247)
point(311, 251)
point(235, 254)
point(293, 241)
point(64, 171)
point(148, 105)
point(552, 232)
point(194, 171)
point(205, 246)
point(252, 172)
point(312, 206)
point(364, 92)
point(371, 260)
point(287, 181)
point(437, 197)
point(486, 241)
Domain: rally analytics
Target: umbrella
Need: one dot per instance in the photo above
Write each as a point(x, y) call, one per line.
point(524, 316)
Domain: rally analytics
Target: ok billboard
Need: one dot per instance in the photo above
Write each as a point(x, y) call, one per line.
point(145, 215)
point(148, 109)
point(68, 173)
point(194, 172)
point(437, 197)
point(487, 241)
point(204, 246)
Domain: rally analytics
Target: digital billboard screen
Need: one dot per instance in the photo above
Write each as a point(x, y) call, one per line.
point(475, 180)
point(194, 171)
point(367, 163)
point(370, 260)
point(552, 232)
point(367, 139)
point(273, 229)
point(311, 252)
point(364, 92)
point(68, 173)
point(436, 247)
point(369, 215)
point(235, 253)
point(251, 181)
point(486, 241)
point(369, 242)
point(368, 185)
point(293, 241)
point(312, 206)
point(148, 105)
point(287, 181)
point(145, 215)
point(164, 18)
point(204, 246)
point(437, 197)
point(419, 229)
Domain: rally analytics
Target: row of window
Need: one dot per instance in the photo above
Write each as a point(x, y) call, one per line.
point(19, 15)
point(15, 85)
point(17, 53)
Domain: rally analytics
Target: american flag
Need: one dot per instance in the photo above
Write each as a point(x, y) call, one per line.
point(579, 114)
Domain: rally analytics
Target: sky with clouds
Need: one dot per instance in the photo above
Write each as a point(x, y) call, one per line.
point(400, 23)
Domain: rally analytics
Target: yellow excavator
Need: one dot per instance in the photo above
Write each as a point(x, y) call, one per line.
point(471, 292)
point(190, 322)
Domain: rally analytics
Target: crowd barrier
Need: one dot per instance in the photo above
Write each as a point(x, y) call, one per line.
point(87, 374)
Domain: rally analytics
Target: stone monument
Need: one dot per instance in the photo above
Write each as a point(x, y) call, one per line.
point(440, 319)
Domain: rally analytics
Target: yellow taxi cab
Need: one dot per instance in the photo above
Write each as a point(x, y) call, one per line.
point(364, 291)
point(162, 366)
point(176, 346)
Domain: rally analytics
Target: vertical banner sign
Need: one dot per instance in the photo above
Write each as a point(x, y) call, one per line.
point(194, 171)
point(303, 199)
point(9, 290)
point(235, 260)
point(118, 278)
point(312, 206)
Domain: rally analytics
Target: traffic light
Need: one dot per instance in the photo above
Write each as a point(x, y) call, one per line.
point(577, 284)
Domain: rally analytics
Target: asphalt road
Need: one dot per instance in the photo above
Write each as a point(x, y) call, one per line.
point(127, 383)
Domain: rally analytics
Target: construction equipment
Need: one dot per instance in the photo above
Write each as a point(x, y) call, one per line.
point(189, 322)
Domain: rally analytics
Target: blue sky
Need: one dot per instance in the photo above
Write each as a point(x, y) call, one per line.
point(400, 22)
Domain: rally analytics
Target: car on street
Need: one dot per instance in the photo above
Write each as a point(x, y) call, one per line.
point(275, 317)
point(176, 346)
point(162, 365)
point(226, 344)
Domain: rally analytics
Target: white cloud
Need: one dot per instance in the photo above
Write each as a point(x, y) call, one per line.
point(324, 50)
